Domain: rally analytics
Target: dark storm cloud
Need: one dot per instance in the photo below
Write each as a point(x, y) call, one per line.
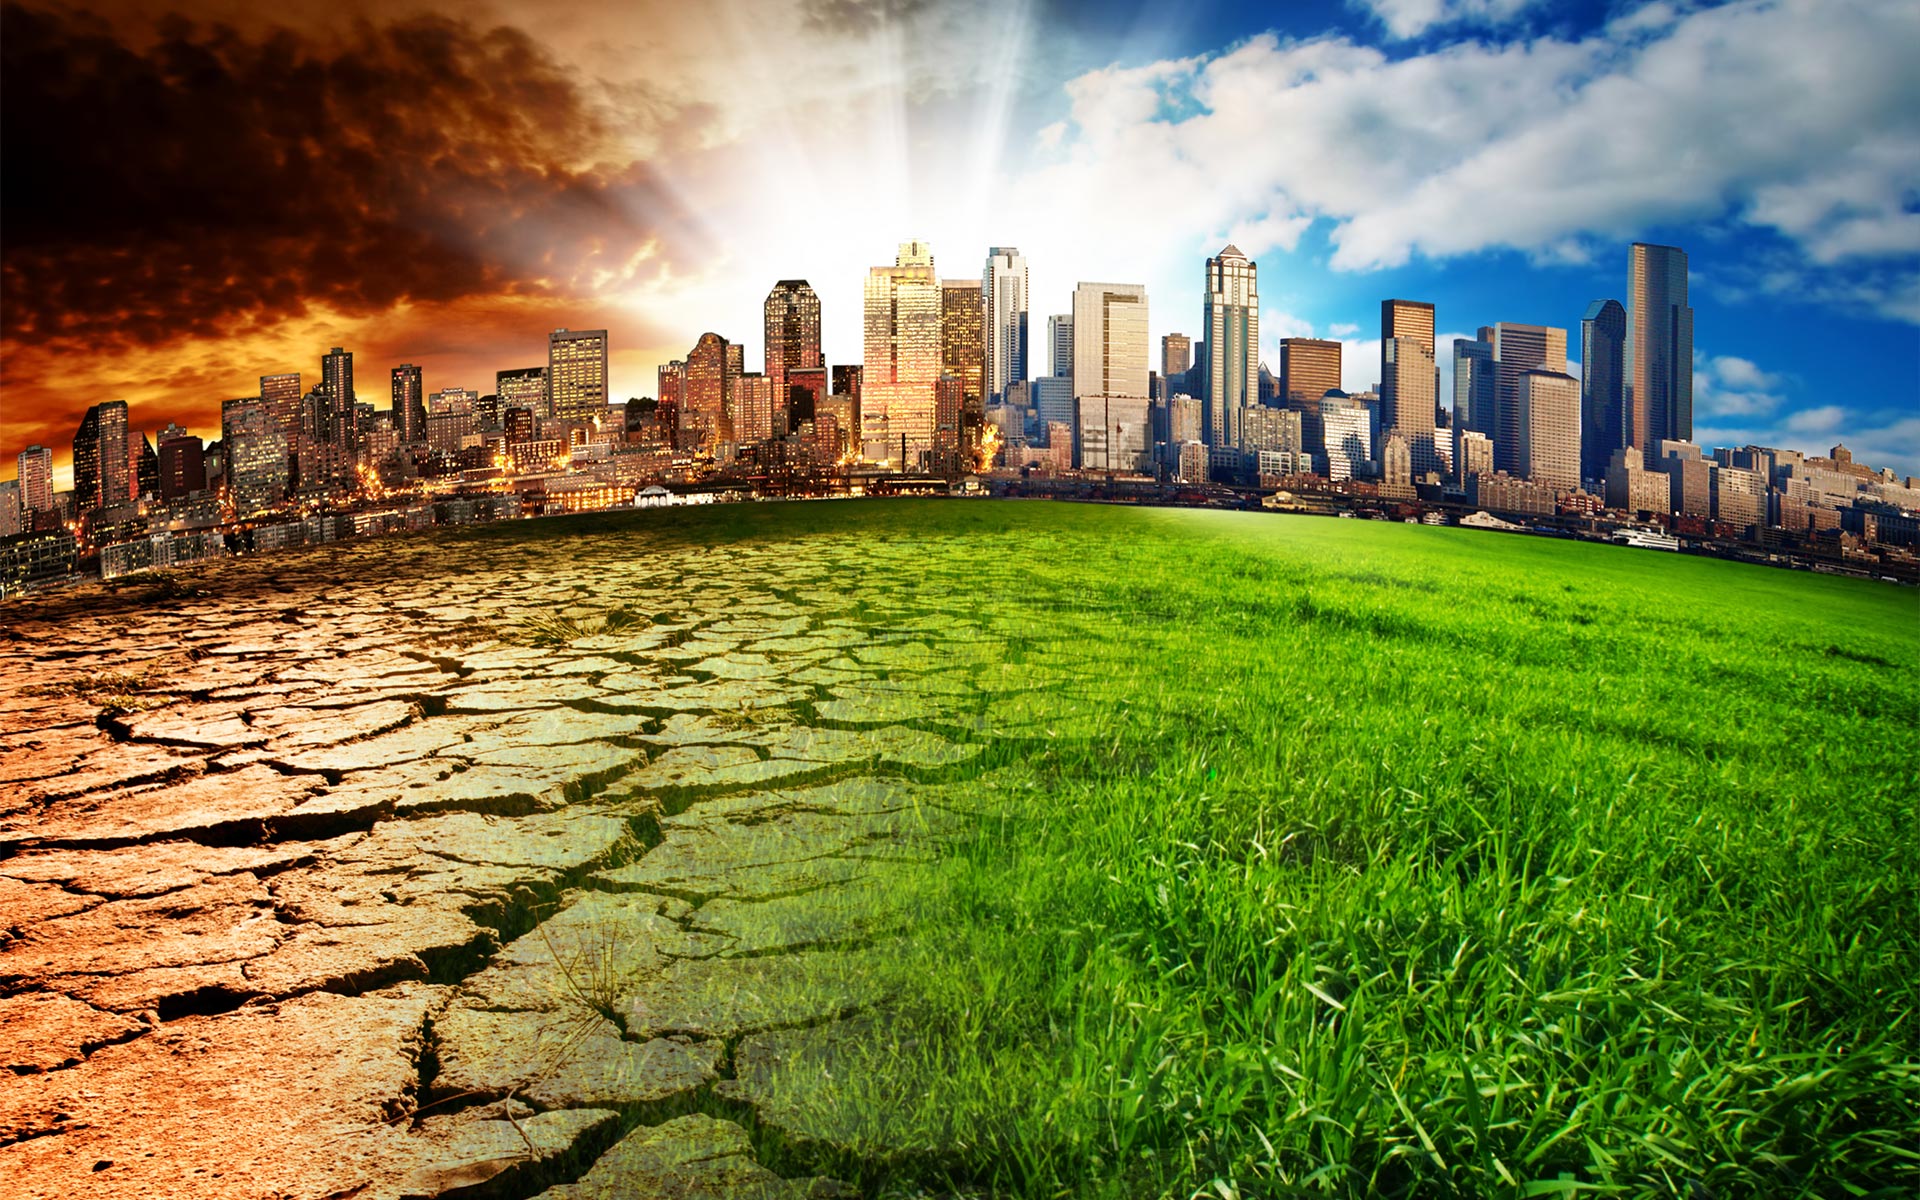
point(206, 180)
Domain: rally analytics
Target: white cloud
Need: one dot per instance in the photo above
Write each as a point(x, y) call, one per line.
point(1727, 385)
point(1411, 18)
point(1798, 116)
point(1342, 329)
point(1276, 324)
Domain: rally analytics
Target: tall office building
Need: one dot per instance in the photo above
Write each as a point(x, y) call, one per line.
point(522, 387)
point(409, 404)
point(1060, 345)
point(1176, 359)
point(1110, 350)
point(792, 314)
point(1232, 312)
point(1603, 386)
point(1408, 319)
point(1004, 289)
point(577, 374)
point(1474, 393)
point(100, 475)
point(1518, 348)
point(182, 461)
point(703, 414)
point(902, 358)
point(751, 407)
point(1348, 425)
point(336, 376)
point(256, 455)
point(281, 394)
point(1309, 369)
point(1407, 400)
point(963, 347)
point(1659, 354)
point(34, 468)
point(1548, 438)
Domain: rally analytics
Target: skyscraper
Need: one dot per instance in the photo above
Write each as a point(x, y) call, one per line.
point(1473, 386)
point(522, 387)
point(1176, 359)
point(1309, 369)
point(336, 376)
point(340, 421)
point(256, 455)
point(1659, 354)
point(1518, 348)
point(1548, 437)
point(1060, 345)
point(902, 359)
point(35, 472)
point(281, 394)
point(963, 350)
point(100, 475)
point(792, 313)
point(1110, 352)
point(1407, 400)
point(409, 404)
point(1004, 288)
point(703, 414)
point(1406, 318)
point(577, 374)
point(1603, 389)
point(1232, 311)
point(182, 464)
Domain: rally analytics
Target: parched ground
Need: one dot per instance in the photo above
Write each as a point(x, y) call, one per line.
point(474, 864)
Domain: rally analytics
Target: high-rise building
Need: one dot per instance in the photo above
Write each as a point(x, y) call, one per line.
point(1516, 349)
point(751, 407)
point(1110, 350)
point(281, 394)
point(1474, 391)
point(1060, 345)
point(577, 374)
point(963, 349)
point(453, 419)
point(182, 460)
point(523, 387)
point(1232, 313)
point(1309, 369)
point(902, 359)
point(34, 468)
point(792, 313)
point(100, 476)
point(144, 464)
point(1659, 352)
point(256, 453)
point(409, 404)
point(1603, 386)
point(1176, 359)
point(1407, 399)
point(1548, 433)
point(336, 375)
point(846, 381)
point(1348, 425)
point(1004, 290)
point(1409, 319)
point(703, 414)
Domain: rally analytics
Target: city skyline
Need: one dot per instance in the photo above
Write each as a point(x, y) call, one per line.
point(1126, 107)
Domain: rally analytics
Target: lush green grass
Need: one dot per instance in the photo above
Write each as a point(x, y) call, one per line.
point(1342, 858)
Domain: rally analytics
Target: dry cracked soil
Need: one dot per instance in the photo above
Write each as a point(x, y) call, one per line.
point(463, 865)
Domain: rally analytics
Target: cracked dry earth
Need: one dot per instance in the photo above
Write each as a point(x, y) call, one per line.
point(361, 873)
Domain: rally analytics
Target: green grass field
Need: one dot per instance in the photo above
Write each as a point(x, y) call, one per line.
point(1344, 858)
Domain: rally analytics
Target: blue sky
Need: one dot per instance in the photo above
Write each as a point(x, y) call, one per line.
point(1804, 260)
